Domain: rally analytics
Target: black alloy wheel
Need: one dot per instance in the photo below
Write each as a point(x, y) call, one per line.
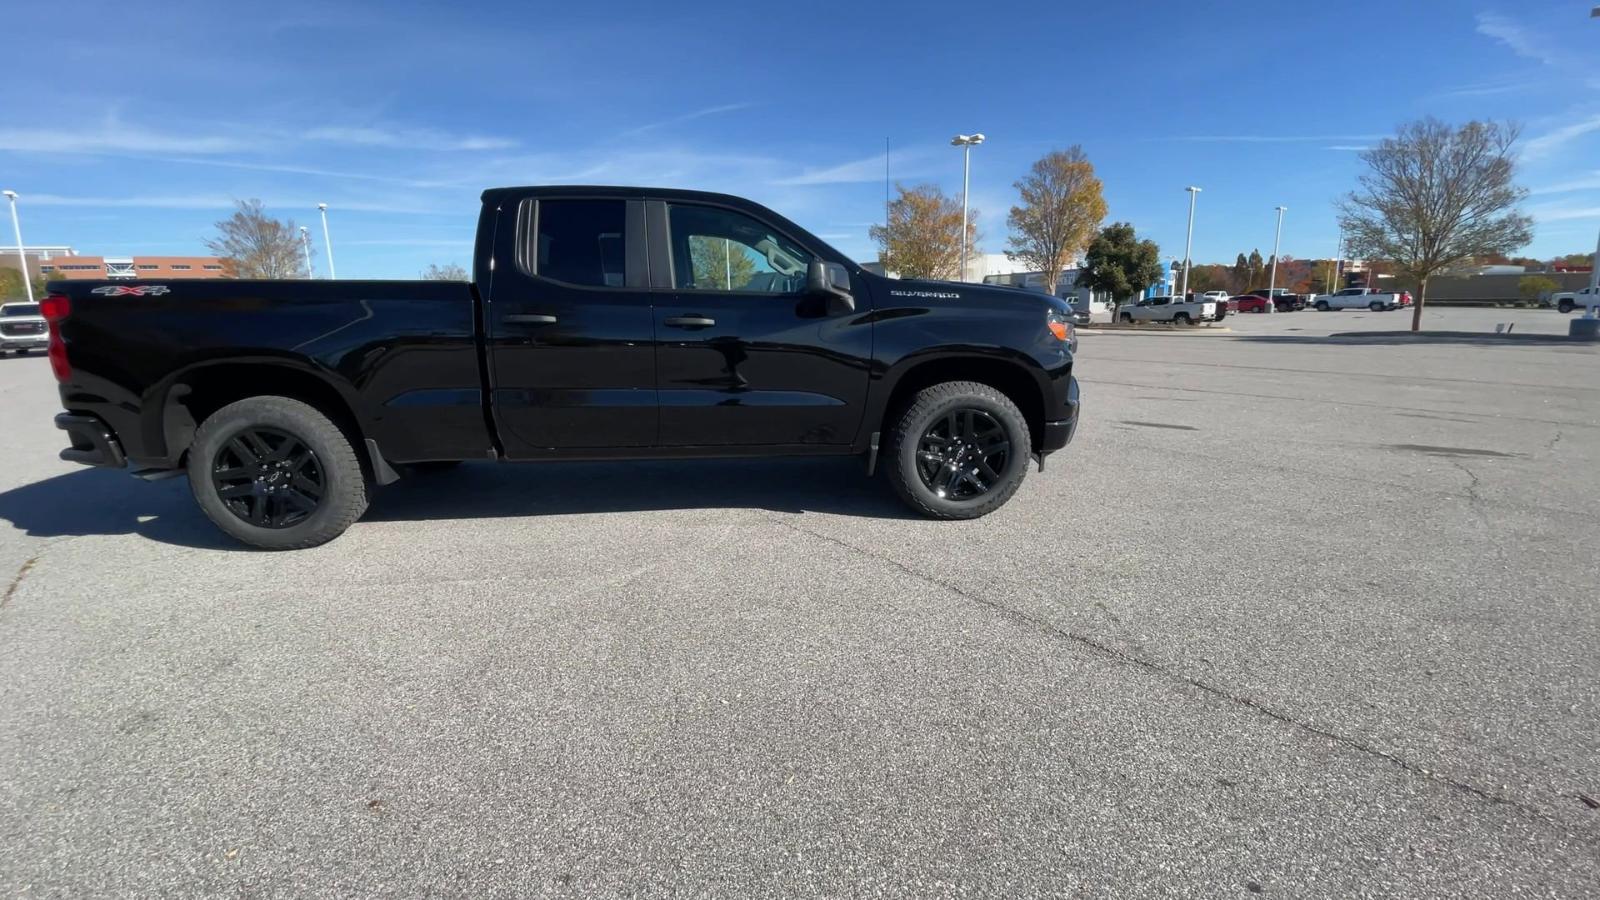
point(268, 478)
point(961, 456)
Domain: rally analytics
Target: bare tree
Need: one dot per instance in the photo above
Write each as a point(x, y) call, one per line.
point(447, 272)
point(1062, 205)
point(1434, 195)
point(923, 234)
point(252, 244)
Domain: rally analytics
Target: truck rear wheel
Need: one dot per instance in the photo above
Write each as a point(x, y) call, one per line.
point(959, 451)
point(276, 473)
point(1375, 306)
point(1565, 306)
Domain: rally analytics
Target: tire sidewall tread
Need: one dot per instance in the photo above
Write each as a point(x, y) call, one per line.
point(935, 401)
point(347, 492)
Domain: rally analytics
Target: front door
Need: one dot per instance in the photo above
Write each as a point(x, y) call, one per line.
point(571, 330)
point(746, 355)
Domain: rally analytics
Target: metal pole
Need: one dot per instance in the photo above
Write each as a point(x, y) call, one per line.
point(22, 254)
point(1272, 281)
point(1594, 271)
point(727, 265)
point(1188, 244)
point(966, 179)
point(888, 235)
point(305, 243)
point(327, 241)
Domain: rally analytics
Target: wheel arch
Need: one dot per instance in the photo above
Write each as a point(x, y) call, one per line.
point(195, 392)
point(1022, 382)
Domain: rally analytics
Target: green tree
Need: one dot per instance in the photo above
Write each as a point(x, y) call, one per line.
point(446, 272)
point(1532, 287)
point(1433, 195)
point(1061, 207)
point(252, 244)
point(719, 264)
point(922, 238)
point(11, 287)
point(1119, 263)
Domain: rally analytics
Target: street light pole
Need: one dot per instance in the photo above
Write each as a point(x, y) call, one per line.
point(1188, 244)
point(305, 243)
point(966, 143)
point(22, 255)
point(327, 241)
point(1272, 282)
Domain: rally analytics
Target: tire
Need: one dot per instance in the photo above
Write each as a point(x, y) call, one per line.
point(1127, 319)
point(910, 470)
point(1182, 319)
point(1375, 306)
point(1322, 306)
point(1566, 306)
point(234, 435)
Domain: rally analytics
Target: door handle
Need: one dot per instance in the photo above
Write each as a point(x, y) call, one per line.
point(526, 319)
point(689, 321)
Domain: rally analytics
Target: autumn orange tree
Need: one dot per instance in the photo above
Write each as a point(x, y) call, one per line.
point(1061, 207)
point(922, 238)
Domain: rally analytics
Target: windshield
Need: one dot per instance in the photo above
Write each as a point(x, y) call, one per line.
point(19, 309)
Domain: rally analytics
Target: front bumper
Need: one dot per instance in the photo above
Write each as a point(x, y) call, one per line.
point(1058, 432)
point(93, 441)
point(24, 341)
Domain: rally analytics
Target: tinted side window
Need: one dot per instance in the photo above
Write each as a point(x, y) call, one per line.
point(581, 241)
point(722, 250)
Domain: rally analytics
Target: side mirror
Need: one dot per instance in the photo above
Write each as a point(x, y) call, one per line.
point(832, 280)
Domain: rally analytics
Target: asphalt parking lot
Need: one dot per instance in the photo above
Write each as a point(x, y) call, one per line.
point(1296, 614)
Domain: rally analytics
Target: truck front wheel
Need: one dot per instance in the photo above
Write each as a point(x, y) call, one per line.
point(1565, 306)
point(276, 473)
point(959, 451)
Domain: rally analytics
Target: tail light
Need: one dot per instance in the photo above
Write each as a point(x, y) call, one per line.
point(55, 309)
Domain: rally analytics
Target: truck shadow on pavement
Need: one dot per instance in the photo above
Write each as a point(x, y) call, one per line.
point(1418, 337)
point(107, 502)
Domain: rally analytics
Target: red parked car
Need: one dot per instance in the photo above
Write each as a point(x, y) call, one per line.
point(1250, 303)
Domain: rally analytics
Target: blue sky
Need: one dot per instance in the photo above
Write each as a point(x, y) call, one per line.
point(133, 127)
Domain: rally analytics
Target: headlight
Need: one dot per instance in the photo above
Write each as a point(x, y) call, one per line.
point(1059, 325)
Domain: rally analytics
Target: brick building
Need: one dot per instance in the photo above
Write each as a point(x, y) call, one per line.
point(134, 267)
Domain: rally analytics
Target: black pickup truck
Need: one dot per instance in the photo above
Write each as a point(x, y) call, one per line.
point(601, 323)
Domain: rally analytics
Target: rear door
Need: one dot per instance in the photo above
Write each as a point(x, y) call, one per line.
point(571, 330)
point(746, 355)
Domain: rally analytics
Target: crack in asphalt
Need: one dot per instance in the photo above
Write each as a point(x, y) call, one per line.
point(1053, 630)
point(17, 580)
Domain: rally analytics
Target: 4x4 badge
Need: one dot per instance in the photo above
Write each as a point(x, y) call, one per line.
point(143, 290)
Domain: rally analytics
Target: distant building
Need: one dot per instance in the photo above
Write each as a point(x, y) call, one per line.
point(133, 267)
point(35, 258)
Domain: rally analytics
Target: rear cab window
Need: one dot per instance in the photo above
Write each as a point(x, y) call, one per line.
point(580, 242)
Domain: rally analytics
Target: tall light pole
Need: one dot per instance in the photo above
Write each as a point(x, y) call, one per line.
point(22, 255)
point(1188, 244)
point(327, 241)
point(1272, 281)
point(966, 143)
point(305, 243)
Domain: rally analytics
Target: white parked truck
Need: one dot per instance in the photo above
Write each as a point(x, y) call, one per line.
point(1567, 301)
point(1362, 298)
point(1176, 310)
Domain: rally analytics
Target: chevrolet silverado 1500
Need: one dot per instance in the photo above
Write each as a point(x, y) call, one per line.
point(601, 323)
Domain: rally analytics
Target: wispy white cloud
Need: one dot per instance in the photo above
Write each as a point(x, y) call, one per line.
point(216, 201)
point(1561, 213)
point(406, 138)
point(111, 136)
point(688, 117)
point(1271, 138)
point(1350, 147)
point(1517, 37)
point(869, 169)
point(1551, 141)
point(1590, 182)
